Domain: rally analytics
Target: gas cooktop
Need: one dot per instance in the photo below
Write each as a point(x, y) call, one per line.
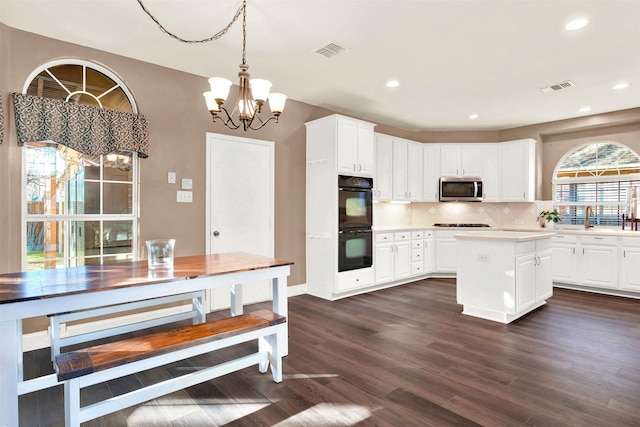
point(461, 225)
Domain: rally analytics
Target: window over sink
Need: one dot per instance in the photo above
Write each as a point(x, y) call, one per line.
point(600, 175)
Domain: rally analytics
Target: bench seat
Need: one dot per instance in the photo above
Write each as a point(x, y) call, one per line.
point(85, 367)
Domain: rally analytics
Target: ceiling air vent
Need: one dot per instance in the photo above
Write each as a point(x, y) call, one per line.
point(330, 49)
point(558, 86)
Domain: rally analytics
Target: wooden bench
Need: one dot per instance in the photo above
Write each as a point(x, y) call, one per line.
point(85, 367)
point(196, 314)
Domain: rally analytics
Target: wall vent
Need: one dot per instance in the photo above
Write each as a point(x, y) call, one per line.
point(558, 86)
point(330, 49)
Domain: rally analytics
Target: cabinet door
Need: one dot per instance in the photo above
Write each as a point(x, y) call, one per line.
point(517, 171)
point(402, 265)
point(630, 273)
point(450, 160)
point(490, 174)
point(431, 162)
point(446, 255)
point(599, 266)
point(472, 160)
point(347, 147)
point(384, 168)
point(414, 171)
point(428, 255)
point(565, 263)
point(525, 289)
point(365, 150)
point(544, 282)
point(383, 262)
point(400, 152)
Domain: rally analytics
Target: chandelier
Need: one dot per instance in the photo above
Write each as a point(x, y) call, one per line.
point(252, 95)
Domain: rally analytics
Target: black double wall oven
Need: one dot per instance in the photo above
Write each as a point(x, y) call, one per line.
point(355, 222)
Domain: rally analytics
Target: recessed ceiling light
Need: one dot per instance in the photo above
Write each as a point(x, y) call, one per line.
point(393, 83)
point(620, 86)
point(473, 116)
point(585, 109)
point(576, 24)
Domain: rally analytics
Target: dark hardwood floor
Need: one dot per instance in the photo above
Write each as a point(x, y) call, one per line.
point(406, 356)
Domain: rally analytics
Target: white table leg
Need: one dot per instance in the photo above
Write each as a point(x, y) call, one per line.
point(236, 299)
point(10, 371)
point(280, 306)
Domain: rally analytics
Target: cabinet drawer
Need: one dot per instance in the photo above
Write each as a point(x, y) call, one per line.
point(384, 237)
point(403, 235)
point(428, 234)
point(417, 268)
point(631, 241)
point(417, 234)
point(354, 279)
point(565, 238)
point(417, 244)
point(599, 240)
point(417, 255)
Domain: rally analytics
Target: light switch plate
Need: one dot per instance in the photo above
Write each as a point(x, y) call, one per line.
point(171, 177)
point(184, 196)
point(187, 184)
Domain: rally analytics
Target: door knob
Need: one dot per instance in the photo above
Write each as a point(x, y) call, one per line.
point(216, 233)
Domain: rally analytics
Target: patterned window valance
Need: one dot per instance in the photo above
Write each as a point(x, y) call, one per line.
point(83, 128)
point(1, 121)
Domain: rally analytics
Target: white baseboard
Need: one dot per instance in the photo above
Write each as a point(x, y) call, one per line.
point(42, 339)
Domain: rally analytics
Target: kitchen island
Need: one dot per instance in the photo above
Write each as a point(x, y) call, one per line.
point(503, 275)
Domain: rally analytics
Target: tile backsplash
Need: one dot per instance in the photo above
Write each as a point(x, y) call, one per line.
point(427, 214)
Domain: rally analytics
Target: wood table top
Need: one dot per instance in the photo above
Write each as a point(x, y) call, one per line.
point(25, 286)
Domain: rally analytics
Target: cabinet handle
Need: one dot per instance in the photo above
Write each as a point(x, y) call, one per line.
point(574, 251)
point(582, 251)
point(359, 168)
point(624, 253)
point(462, 171)
point(354, 167)
point(409, 194)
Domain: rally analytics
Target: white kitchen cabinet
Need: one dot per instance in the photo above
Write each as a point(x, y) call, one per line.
point(415, 169)
point(446, 251)
point(355, 144)
point(329, 149)
point(565, 258)
point(383, 181)
point(429, 252)
point(392, 256)
point(630, 264)
point(462, 160)
point(503, 275)
point(431, 172)
point(400, 169)
point(599, 261)
point(490, 174)
point(417, 253)
point(516, 165)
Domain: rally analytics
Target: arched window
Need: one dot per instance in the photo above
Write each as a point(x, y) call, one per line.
point(599, 175)
point(79, 208)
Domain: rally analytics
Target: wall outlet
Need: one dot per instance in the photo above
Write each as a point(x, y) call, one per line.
point(483, 258)
point(184, 196)
point(519, 222)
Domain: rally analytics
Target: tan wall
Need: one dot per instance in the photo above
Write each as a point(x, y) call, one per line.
point(173, 104)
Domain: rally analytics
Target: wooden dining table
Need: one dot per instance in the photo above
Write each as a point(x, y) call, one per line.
point(39, 293)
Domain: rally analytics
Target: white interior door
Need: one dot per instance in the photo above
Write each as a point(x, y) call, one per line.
point(240, 205)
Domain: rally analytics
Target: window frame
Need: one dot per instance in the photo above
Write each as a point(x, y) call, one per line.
point(68, 219)
point(633, 180)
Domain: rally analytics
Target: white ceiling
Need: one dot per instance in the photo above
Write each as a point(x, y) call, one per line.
point(452, 57)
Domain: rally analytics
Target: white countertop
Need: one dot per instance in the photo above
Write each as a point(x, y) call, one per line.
point(557, 230)
point(514, 236)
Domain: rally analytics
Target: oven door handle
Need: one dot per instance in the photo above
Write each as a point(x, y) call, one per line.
point(355, 230)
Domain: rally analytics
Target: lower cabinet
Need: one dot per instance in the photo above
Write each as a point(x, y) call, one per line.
point(630, 264)
point(354, 279)
point(599, 261)
point(446, 251)
point(565, 258)
point(533, 279)
point(392, 256)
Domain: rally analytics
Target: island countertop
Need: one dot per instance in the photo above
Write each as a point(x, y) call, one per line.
point(513, 236)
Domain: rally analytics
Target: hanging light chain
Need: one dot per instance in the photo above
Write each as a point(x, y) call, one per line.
point(241, 9)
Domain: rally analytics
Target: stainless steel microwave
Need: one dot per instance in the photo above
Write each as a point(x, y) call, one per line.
point(466, 189)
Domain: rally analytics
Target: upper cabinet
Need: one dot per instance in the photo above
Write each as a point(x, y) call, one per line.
point(431, 173)
point(383, 181)
point(407, 170)
point(516, 168)
point(355, 147)
point(461, 159)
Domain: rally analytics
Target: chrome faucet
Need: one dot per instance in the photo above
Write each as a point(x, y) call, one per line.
point(588, 213)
